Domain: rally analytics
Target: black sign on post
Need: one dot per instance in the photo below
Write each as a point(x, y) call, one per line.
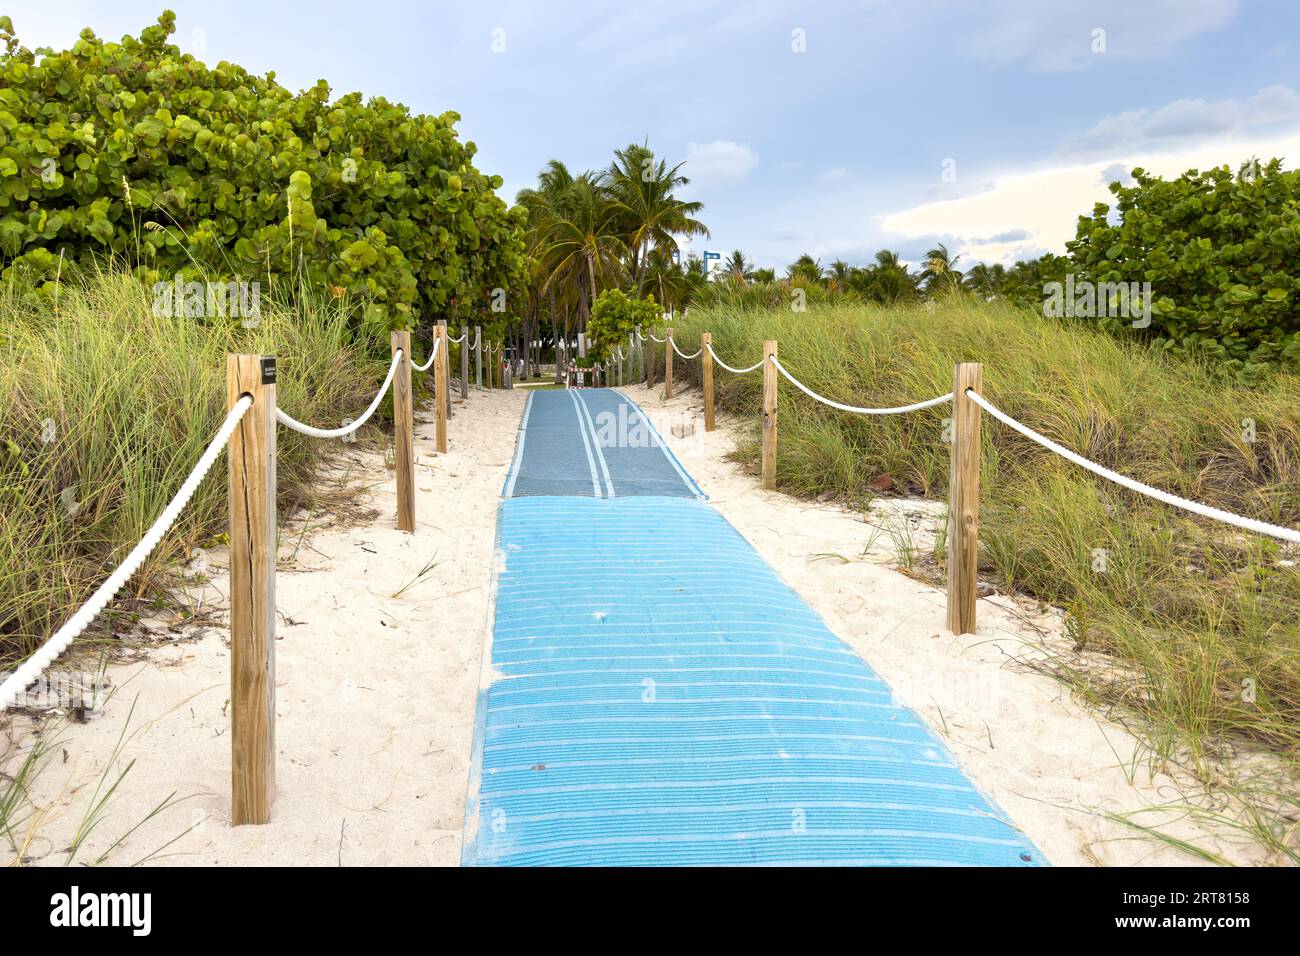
point(268, 370)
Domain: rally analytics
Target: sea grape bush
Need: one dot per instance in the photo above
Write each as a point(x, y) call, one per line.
point(616, 315)
point(138, 151)
point(1221, 251)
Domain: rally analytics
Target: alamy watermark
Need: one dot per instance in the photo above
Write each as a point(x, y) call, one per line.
point(209, 300)
point(63, 690)
point(623, 430)
point(1086, 299)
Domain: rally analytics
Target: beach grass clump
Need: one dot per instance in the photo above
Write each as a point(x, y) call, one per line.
point(107, 405)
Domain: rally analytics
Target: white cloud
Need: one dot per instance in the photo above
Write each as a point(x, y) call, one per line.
point(1186, 121)
point(836, 175)
point(1029, 211)
point(1059, 35)
point(719, 164)
point(1022, 212)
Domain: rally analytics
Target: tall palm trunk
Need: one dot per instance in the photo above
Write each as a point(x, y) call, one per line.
point(641, 255)
point(556, 339)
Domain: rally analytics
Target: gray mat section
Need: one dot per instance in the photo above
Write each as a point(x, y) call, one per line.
point(592, 443)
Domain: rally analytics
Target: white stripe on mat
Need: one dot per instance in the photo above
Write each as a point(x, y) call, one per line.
point(519, 449)
point(600, 455)
point(582, 430)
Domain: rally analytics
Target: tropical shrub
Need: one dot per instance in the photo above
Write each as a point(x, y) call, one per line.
point(1220, 251)
point(614, 317)
point(138, 151)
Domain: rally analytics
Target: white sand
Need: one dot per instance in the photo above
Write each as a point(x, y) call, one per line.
point(377, 694)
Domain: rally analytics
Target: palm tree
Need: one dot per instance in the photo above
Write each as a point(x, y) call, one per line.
point(940, 271)
point(840, 275)
point(886, 280)
point(805, 267)
point(764, 275)
point(666, 280)
point(641, 189)
point(888, 259)
point(738, 267)
point(985, 280)
point(575, 234)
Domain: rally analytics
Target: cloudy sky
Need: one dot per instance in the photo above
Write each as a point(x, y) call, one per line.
point(824, 127)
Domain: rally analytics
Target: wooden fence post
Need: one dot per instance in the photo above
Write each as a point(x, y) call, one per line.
point(964, 499)
point(444, 363)
point(706, 339)
point(464, 363)
point(403, 433)
point(769, 415)
point(441, 397)
point(478, 355)
point(650, 365)
point(640, 355)
point(251, 460)
point(668, 365)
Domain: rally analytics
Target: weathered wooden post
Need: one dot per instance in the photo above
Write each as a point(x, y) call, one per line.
point(478, 355)
point(668, 365)
point(464, 362)
point(769, 415)
point(640, 355)
point(964, 499)
point(650, 365)
point(441, 399)
point(403, 433)
point(706, 340)
point(251, 460)
point(444, 362)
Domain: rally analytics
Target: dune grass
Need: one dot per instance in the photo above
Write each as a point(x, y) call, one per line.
point(107, 407)
point(1199, 620)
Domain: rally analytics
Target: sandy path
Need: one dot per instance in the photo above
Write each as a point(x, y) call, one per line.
point(1056, 767)
point(375, 693)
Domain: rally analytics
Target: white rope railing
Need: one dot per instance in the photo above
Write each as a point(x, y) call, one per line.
point(657, 338)
point(286, 420)
point(432, 355)
point(858, 410)
point(1218, 514)
point(738, 371)
point(461, 338)
point(45, 655)
point(695, 354)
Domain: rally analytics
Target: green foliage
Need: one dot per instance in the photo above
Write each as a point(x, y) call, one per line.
point(615, 316)
point(1220, 252)
point(136, 150)
point(1023, 283)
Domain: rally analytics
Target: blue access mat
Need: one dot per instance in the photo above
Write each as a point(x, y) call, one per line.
point(657, 696)
point(594, 443)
